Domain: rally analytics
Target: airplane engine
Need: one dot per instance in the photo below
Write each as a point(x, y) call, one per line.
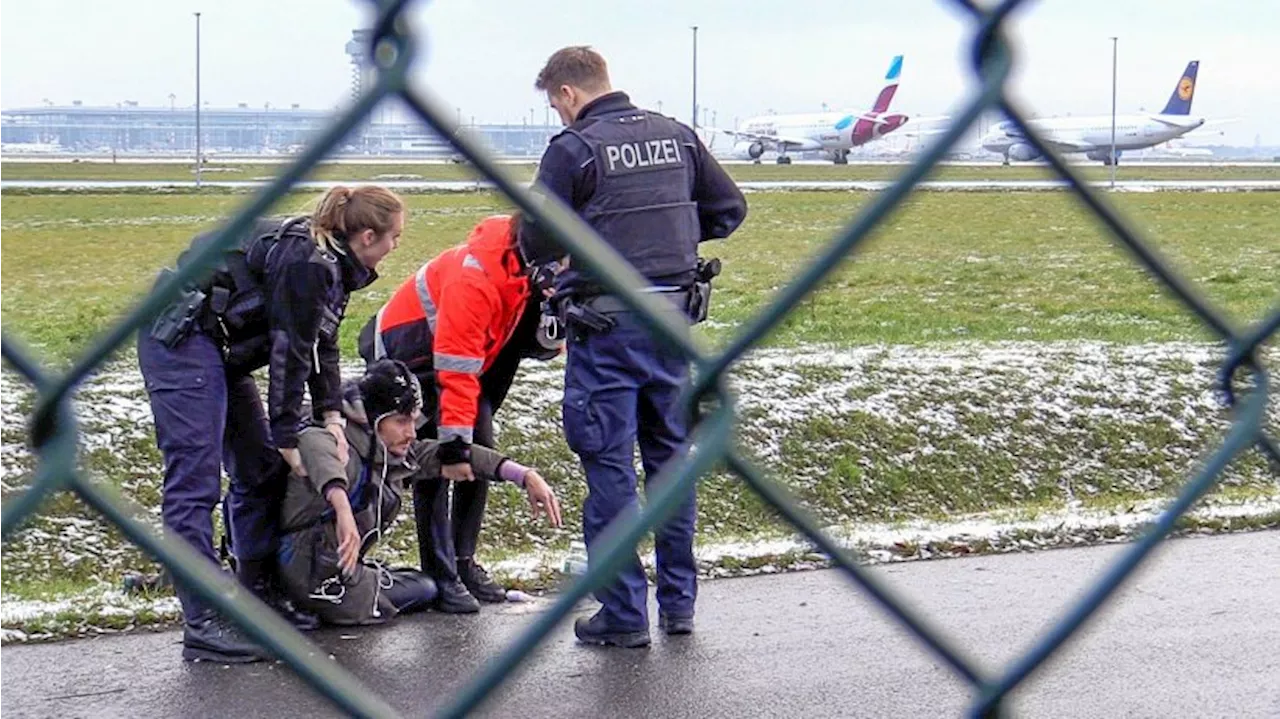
point(1023, 152)
point(748, 150)
point(1102, 154)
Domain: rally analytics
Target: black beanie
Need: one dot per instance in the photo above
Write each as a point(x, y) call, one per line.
point(388, 387)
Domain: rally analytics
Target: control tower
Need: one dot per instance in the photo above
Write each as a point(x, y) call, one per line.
point(362, 70)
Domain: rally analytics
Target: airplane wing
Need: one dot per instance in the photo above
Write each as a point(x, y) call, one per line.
point(1210, 128)
point(775, 141)
point(1064, 145)
point(913, 129)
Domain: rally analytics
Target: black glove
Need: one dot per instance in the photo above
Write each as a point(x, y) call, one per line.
point(455, 451)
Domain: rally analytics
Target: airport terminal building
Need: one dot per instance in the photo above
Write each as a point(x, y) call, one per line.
point(130, 129)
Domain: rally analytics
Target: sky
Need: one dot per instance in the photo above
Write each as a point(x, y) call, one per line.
point(481, 56)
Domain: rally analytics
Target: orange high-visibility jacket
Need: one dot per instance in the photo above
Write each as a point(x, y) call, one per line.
point(470, 299)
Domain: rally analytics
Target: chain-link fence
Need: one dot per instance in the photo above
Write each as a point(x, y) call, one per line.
point(54, 434)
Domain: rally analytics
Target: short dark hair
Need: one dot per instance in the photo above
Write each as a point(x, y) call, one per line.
point(535, 246)
point(578, 66)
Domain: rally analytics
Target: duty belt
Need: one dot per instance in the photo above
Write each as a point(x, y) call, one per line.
point(593, 315)
point(612, 304)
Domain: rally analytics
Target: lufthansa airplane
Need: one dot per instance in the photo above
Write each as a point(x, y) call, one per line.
point(1092, 135)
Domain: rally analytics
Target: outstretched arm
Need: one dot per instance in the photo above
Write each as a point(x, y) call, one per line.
point(492, 466)
point(542, 499)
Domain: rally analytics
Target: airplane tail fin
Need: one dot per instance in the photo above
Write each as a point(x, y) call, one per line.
point(891, 86)
point(1180, 101)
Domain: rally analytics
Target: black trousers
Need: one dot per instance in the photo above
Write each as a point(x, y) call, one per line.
point(469, 498)
point(432, 513)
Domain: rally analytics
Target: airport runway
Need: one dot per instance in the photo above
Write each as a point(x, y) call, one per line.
point(750, 186)
point(1194, 634)
point(392, 160)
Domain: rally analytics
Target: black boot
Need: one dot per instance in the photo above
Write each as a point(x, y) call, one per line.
point(595, 630)
point(454, 598)
point(301, 619)
point(675, 626)
point(479, 583)
point(211, 637)
point(258, 576)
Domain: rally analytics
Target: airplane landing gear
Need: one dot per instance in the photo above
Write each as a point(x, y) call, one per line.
point(841, 157)
point(784, 160)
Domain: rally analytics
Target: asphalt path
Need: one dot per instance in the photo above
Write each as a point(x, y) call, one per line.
point(1195, 634)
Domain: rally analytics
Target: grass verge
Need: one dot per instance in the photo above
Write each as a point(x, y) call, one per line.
point(972, 267)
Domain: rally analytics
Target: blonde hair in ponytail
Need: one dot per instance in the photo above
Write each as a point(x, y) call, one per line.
point(345, 211)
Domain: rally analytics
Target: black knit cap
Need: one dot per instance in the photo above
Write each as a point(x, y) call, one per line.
point(388, 387)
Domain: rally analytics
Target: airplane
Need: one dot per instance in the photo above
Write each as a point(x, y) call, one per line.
point(833, 133)
point(1092, 135)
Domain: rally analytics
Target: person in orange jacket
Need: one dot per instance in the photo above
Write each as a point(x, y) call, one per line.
point(462, 323)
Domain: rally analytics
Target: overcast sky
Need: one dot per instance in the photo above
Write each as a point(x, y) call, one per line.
point(482, 55)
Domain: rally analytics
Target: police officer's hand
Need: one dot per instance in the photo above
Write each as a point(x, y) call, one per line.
point(542, 499)
point(460, 472)
point(294, 459)
point(339, 434)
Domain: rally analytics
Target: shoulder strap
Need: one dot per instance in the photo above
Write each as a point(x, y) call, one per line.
point(248, 260)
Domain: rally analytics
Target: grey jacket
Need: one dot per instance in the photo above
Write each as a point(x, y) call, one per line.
point(375, 482)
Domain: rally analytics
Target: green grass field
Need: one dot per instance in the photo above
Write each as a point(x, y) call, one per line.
point(743, 172)
point(991, 266)
point(986, 352)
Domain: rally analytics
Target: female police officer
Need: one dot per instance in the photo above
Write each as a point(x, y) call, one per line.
point(275, 302)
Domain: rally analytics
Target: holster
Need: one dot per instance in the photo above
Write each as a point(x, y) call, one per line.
point(700, 296)
point(699, 302)
point(581, 320)
point(176, 322)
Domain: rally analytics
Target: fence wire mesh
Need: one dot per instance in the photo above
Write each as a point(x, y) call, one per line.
point(54, 434)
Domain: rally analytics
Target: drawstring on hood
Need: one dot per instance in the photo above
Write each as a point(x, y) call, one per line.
point(381, 572)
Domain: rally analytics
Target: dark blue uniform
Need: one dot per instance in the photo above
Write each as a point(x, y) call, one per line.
point(207, 409)
point(647, 185)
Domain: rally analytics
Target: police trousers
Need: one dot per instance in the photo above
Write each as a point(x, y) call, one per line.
point(206, 420)
point(622, 387)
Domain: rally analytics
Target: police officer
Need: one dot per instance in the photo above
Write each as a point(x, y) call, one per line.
point(461, 323)
point(335, 515)
point(276, 302)
point(650, 188)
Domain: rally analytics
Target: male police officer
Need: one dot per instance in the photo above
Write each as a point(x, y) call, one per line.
point(649, 187)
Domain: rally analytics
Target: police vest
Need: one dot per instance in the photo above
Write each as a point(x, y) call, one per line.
point(643, 204)
point(236, 309)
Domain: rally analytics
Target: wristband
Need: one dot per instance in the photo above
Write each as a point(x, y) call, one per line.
point(513, 472)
